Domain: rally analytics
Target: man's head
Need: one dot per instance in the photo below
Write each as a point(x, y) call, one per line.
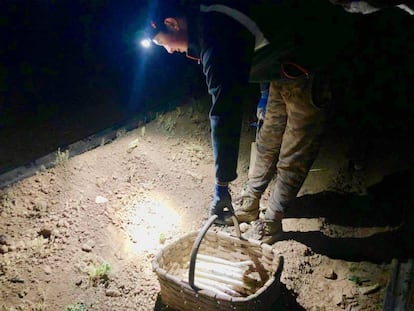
point(169, 28)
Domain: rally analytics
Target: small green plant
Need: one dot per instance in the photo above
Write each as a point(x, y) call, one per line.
point(179, 111)
point(355, 279)
point(99, 272)
point(170, 124)
point(167, 123)
point(7, 199)
point(162, 238)
point(61, 157)
point(39, 306)
point(79, 306)
point(41, 247)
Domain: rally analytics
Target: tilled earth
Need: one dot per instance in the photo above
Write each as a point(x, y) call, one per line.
point(115, 207)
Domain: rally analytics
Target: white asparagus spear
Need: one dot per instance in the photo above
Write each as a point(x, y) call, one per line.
point(224, 261)
point(213, 289)
point(219, 268)
point(214, 286)
point(235, 291)
point(204, 283)
point(245, 290)
point(220, 272)
point(224, 279)
point(242, 284)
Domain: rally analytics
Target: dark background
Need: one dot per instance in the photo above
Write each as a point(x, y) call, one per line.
point(70, 68)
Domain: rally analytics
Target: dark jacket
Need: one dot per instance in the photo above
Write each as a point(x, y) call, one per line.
point(313, 34)
point(226, 50)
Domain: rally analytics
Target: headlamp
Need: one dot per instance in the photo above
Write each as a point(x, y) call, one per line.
point(158, 12)
point(146, 43)
point(148, 34)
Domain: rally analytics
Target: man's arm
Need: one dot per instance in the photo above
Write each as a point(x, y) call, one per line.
point(226, 56)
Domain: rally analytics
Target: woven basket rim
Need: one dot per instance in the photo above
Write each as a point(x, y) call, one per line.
point(184, 284)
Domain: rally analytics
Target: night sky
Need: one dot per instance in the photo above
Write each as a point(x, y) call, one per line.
point(72, 68)
point(57, 56)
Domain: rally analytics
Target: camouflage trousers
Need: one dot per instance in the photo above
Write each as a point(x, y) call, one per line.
point(287, 143)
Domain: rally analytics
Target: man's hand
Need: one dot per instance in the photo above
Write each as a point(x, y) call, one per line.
point(261, 105)
point(261, 109)
point(221, 201)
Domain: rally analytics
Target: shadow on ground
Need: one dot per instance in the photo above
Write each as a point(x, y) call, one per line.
point(389, 203)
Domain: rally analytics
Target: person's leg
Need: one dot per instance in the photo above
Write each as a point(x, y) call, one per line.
point(300, 146)
point(268, 142)
point(298, 150)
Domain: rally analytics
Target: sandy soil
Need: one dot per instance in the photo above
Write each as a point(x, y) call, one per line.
point(118, 205)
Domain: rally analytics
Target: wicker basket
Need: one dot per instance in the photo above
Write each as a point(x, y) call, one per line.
point(183, 295)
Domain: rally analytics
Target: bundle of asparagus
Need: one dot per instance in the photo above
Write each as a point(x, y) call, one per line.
point(224, 277)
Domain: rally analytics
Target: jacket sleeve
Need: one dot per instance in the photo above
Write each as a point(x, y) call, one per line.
point(226, 55)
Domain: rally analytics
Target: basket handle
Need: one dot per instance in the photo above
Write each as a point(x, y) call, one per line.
point(197, 243)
